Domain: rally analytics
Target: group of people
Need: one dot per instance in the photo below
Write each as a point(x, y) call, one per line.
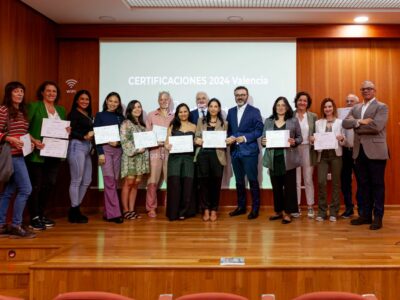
point(361, 146)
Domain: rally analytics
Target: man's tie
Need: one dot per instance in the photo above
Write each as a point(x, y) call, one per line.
point(203, 113)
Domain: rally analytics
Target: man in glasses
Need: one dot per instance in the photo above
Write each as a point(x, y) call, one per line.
point(368, 119)
point(245, 126)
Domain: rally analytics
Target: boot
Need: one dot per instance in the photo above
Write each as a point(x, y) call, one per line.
point(72, 215)
point(82, 219)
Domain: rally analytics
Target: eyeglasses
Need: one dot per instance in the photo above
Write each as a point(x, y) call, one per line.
point(240, 95)
point(366, 89)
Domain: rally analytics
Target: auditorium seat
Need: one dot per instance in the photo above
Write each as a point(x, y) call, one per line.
point(211, 296)
point(9, 298)
point(335, 296)
point(89, 295)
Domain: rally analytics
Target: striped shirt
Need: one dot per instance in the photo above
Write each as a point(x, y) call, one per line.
point(17, 127)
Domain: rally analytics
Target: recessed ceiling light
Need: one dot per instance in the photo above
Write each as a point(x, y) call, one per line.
point(235, 19)
point(106, 18)
point(361, 19)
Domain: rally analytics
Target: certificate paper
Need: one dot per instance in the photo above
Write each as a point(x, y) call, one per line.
point(181, 144)
point(343, 112)
point(54, 147)
point(214, 139)
point(325, 141)
point(55, 128)
point(146, 139)
point(277, 138)
point(160, 132)
point(27, 148)
point(106, 134)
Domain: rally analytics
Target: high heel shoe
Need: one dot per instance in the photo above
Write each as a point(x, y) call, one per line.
point(213, 217)
point(286, 219)
point(206, 215)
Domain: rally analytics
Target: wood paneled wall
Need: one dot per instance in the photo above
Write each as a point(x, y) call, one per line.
point(28, 50)
point(336, 67)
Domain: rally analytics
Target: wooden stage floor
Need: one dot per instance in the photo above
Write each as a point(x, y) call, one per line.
point(147, 257)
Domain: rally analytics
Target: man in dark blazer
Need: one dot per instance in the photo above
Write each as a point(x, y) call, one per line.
point(201, 110)
point(370, 152)
point(245, 126)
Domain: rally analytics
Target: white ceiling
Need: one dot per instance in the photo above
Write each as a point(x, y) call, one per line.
point(217, 11)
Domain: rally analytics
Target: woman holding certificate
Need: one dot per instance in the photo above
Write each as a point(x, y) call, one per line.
point(210, 160)
point(110, 157)
point(79, 158)
point(282, 135)
point(180, 203)
point(328, 141)
point(135, 162)
point(43, 170)
point(14, 125)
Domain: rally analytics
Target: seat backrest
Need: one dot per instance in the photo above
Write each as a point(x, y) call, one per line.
point(211, 296)
point(90, 296)
point(332, 296)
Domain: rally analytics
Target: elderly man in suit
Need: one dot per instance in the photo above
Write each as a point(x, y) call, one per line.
point(368, 119)
point(245, 126)
point(201, 110)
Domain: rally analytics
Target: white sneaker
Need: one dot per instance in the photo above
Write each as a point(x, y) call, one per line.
point(296, 215)
point(332, 219)
point(319, 219)
point(310, 212)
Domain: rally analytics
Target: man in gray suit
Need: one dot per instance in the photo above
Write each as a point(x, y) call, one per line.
point(368, 119)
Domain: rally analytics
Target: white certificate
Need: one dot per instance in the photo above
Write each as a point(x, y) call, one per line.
point(325, 141)
point(343, 112)
point(181, 143)
point(214, 139)
point(277, 138)
point(27, 148)
point(160, 132)
point(54, 147)
point(146, 139)
point(55, 128)
point(106, 134)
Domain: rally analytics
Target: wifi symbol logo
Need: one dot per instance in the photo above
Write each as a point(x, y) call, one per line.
point(71, 83)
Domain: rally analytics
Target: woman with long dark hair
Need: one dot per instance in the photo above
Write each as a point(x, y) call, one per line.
point(210, 161)
point(43, 171)
point(282, 162)
point(110, 157)
point(79, 158)
point(180, 203)
point(135, 162)
point(14, 124)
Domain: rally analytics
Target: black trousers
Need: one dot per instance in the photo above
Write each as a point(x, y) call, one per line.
point(348, 165)
point(209, 171)
point(43, 178)
point(284, 191)
point(371, 175)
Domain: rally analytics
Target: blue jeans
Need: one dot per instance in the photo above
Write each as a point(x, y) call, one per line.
point(21, 183)
point(80, 165)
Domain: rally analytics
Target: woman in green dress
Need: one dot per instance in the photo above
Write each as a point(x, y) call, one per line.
point(134, 162)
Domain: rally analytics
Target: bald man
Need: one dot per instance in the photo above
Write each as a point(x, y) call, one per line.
point(201, 111)
point(368, 119)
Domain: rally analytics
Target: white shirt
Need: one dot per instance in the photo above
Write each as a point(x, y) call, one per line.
point(201, 110)
point(240, 111)
point(365, 106)
point(305, 129)
point(54, 116)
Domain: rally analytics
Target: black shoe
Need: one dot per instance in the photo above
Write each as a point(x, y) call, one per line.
point(118, 220)
point(360, 221)
point(253, 215)
point(347, 213)
point(287, 219)
point(4, 230)
point(276, 217)
point(36, 224)
point(238, 211)
point(47, 222)
point(19, 232)
point(376, 224)
point(82, 219)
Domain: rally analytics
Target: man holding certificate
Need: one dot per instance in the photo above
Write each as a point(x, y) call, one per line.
point(244, 128)
point(328, 141)
point(211, 158)
point(282, 158)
